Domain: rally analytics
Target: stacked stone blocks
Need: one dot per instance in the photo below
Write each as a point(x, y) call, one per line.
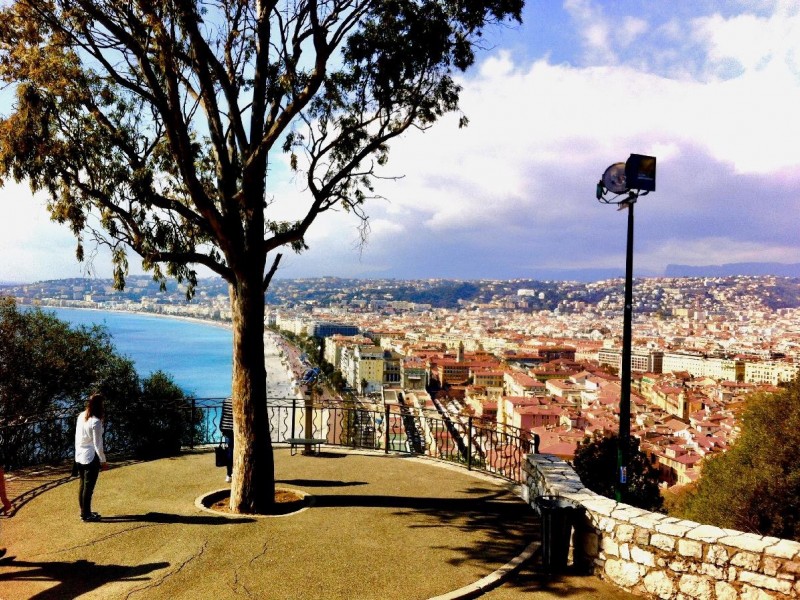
point(657, 556)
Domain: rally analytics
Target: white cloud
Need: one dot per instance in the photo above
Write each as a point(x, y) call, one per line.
point(631, 30)
point(712, 97)
point(385, 228)
point(754, 42)
point(32, 246)
point(541, 134)
point(595, 29)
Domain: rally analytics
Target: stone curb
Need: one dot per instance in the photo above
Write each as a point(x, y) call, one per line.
point(484, 584)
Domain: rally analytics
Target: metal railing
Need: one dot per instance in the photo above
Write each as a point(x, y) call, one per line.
point(471, 442)
point(474, 443)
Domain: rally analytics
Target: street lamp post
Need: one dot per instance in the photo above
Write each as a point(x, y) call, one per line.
point(636, 177)
point(625, 367)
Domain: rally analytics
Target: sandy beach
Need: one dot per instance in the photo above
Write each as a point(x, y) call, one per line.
point(278, 359)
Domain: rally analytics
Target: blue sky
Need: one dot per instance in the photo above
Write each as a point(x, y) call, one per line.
point(709, 88)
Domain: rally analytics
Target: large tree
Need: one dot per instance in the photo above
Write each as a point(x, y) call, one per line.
point(152, 125)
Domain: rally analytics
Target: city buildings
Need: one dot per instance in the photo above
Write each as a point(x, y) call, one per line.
point(541, 357)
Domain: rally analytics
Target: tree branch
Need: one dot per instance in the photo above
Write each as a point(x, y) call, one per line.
point(271, 272)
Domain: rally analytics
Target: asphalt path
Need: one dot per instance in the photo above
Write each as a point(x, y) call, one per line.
point(378, 527)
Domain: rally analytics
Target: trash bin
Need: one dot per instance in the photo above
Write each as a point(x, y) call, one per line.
point(558, 516)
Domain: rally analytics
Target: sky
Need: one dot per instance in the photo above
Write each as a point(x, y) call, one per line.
point(711, 89)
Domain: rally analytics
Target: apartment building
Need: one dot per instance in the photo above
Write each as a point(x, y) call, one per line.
point(369, 368)
point(335, 344)
point(413, 373)
point(509, 415)
point(550, 353)
point(527, 417)
point(323, 329)
point(491, 380)
point(770, 372)
point(642, 360)
point(392, 370)
point(565, 389)
point(699, 365)
point(520, 384)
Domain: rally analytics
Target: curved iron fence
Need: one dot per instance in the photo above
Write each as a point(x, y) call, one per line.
point(471, 442)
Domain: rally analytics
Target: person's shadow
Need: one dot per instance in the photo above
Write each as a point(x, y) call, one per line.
point(74, 578)
point(157, 517)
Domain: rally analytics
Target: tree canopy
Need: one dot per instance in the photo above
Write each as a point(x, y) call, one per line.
point(159, 126)
point(151, 125)
point(755, 485)
point(47, 367)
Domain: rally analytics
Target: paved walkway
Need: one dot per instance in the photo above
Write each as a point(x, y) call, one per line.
point(378, 527)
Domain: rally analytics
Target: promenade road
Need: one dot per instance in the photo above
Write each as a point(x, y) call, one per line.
point(379, 526)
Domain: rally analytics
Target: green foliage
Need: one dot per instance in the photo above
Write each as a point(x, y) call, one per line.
point(155, 424)
point(48, 369)
point(446, 294)
point(755, 485)
point(596, 464)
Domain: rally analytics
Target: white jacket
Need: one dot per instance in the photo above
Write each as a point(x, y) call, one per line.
point(89, 439)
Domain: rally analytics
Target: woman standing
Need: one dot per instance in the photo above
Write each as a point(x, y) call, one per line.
point(89, 454)
point(226, 427)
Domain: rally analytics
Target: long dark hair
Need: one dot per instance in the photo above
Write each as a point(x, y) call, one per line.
point(95, 406)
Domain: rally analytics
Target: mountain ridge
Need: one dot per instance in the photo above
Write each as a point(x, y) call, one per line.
point(733, 269)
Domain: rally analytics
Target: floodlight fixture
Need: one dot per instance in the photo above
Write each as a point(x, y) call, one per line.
point(634, 177)
point(615, 178)
point(640, 173)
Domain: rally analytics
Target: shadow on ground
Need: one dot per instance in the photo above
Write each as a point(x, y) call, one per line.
point(156, 517)
point(74, 578)
point(533, 582)
point(320, 482)
point(504, 525)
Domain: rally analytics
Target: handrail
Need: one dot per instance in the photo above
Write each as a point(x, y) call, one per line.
point(474, 443)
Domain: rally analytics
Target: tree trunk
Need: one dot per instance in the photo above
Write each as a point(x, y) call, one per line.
point(253, 488)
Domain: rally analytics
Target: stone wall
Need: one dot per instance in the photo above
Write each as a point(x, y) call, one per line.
point(656, 556)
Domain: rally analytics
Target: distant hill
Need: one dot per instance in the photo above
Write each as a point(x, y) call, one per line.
point(584, 275)
point(733, 269)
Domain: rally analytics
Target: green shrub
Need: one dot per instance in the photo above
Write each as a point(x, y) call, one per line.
point(596, 464)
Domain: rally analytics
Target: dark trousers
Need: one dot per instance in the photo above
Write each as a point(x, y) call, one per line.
point(229, 453)
point(88, 474)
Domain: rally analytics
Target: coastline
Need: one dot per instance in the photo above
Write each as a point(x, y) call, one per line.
point(280, 377)
point(141, 313)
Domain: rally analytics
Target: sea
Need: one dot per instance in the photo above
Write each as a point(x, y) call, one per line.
point(197, 355)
